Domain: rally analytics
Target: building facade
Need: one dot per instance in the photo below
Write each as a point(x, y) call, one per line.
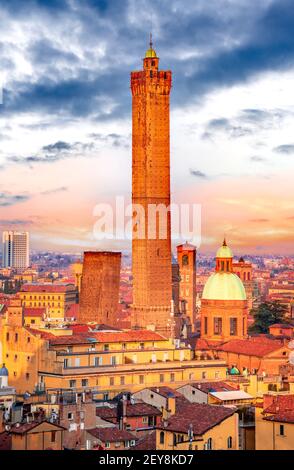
point(15, 252)
point(56, 299)
point(224, 304)
point(187, 263)
point(151, 245)
point(99, 295)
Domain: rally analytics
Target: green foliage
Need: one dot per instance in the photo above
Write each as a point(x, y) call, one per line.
point(267, 314)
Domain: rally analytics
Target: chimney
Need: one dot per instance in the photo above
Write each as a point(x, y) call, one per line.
point(171, 405)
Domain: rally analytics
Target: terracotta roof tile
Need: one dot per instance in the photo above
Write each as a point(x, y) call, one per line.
point(112, 434)
point(5, 441)
point(47, 288)
point(282, 417)
point(251, 347)
point(147, 442)
point(281, 403)
point(166, 392)
point(202, 417)
point(132, 410)
point(207, 387)
point(34, 312)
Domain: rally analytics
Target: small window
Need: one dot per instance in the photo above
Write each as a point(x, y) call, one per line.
point(107, 445)
point(122, 380)
point(172, 377)
point(111, 381)
point(53, 436)
point(7, 336)
point(209, 444)
point(16, 337)
point(145, 420)
point(141, 379)
point(106, 347)
point(161, 437)
point(203, 375)
point(230, 442)
point(161, 378)
point(85, 382)
point(70, 416)
point(27, 376)
point(282, 430)
point(72, 383)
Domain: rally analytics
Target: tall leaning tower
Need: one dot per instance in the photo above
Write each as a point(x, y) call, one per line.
point(152, 276)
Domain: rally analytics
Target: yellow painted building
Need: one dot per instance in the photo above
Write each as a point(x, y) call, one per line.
point(106, 361)
point(56, 298)
point(199, 427)
point(274, 421)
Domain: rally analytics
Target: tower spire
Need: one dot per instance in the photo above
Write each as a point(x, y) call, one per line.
point(150, 41)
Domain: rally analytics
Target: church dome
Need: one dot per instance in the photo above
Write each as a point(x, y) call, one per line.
point(3, 371)
point(224, 252)
point(224, 286)
point(150, 53)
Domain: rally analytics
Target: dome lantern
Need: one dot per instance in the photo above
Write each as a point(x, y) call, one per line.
point(224, 259)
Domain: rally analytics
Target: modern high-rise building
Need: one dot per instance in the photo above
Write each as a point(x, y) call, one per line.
point(16, 252)
point(99, 295)
point(151, 245)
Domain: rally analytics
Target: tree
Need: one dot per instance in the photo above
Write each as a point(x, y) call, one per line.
point(267, 314)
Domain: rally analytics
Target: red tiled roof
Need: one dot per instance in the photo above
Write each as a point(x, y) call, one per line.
point(202, 417)
point(166, 392)
point(147, 442)
point(47, 288)
point(5, 441)
point(132, 410)
point(286, 417)
point(72, 311)
point(251, 347)
point(25, 427)
point(125, 336)
point(34, 312)
point(84, 336)
point(112, 434)
point(281, 403)
point(207, 387)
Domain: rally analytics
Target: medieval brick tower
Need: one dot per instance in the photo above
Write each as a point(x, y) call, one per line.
point(152, 276)
point(187, 262)
point(99, 294)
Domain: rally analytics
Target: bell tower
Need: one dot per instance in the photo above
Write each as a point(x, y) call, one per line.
point(151, 255)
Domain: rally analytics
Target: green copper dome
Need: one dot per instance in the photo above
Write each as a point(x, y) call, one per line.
point(224, 286)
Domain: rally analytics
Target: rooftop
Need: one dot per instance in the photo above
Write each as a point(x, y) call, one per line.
point(202, 418)
point(209, 387)
point(84, 337)
point(48, 288)
point(112, 434)
point(258, 346)
point(132, 410)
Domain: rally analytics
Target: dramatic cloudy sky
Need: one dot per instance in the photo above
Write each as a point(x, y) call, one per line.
point(65, 121)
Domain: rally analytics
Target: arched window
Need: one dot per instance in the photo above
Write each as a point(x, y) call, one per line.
point(161, 437)
point(185, 260)
point(230, 442)
point(209, 444)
